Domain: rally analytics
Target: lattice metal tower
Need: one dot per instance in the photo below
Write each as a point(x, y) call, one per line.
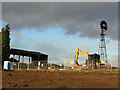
point(102, 46)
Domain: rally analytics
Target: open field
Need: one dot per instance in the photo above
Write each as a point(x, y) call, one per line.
point(59, 79)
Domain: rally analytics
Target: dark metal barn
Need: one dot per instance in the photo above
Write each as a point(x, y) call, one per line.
point(34, 57)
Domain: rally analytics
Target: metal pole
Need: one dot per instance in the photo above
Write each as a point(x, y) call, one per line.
point(18, 66)
point(19, 62)
point(29, 62)
point(13, 61)
point(22, 60)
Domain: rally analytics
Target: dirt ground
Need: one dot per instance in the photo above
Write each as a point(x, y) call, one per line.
point(58, 79)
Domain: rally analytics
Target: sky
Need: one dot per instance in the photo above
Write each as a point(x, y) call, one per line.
point(58, 28)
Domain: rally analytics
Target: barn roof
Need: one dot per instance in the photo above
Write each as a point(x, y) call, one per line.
point(25, 52)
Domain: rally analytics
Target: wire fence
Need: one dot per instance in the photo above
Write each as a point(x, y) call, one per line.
point(43, 64)
point(35, 65)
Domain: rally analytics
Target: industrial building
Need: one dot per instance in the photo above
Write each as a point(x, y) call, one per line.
point(34, 58)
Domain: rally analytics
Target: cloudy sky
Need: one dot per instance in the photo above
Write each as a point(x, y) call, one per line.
point(58, 29)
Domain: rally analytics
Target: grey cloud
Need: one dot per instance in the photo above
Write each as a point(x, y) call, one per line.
point(83, 17)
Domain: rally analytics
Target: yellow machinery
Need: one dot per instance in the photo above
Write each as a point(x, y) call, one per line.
point(76, 56)
point(86, 54)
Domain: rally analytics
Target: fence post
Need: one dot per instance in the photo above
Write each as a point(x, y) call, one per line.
point(19, 63)
point(29, 62)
